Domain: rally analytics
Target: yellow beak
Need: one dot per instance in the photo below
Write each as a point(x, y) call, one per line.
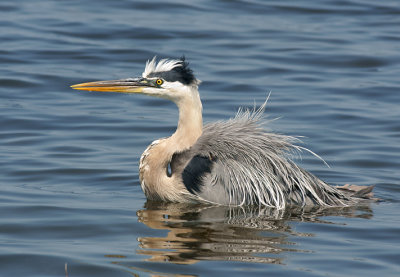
point(124, 86)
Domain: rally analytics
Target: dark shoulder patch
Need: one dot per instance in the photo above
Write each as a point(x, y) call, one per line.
point(194, 171)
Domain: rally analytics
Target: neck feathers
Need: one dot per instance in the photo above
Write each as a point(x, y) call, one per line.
point(190, 125)
point(154, 162)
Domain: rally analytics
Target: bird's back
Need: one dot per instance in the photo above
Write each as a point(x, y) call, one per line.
point(236, 162)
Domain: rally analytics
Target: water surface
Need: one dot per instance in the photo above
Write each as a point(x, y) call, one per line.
point(69, 188)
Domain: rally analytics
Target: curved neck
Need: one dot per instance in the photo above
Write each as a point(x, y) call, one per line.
point(190, 125)
point(154, 162)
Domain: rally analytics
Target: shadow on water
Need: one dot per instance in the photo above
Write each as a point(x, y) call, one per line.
point(252, 234)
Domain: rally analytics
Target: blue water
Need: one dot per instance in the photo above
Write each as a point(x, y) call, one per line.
point(70, 197)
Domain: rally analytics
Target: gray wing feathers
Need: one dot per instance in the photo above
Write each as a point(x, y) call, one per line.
point(252, 166)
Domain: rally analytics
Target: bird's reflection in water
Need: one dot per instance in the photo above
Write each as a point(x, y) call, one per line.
point(256, 235)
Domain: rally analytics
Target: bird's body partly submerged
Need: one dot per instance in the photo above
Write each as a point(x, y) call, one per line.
point(232, 162)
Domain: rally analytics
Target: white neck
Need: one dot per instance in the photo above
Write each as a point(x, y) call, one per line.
point(190, 124)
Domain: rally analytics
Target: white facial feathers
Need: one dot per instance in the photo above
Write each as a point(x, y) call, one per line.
point(162, 65)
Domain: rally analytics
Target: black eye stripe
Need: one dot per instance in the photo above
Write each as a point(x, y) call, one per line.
point(168, 76)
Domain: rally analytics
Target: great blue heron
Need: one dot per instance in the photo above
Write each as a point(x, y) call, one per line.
point(232, 162)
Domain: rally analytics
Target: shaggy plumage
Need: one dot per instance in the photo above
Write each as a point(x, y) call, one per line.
point(251, 166)
point(232, 162)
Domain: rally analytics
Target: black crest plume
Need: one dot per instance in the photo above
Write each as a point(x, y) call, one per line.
point(181, 73)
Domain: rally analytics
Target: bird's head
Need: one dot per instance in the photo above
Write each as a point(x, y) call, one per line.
point(169, 79)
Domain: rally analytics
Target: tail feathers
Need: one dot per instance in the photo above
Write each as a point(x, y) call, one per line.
point(364, 192)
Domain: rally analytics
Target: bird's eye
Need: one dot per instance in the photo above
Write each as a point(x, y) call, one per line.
point(159, 82)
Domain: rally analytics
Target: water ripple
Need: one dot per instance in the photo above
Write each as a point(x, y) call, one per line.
point(70, 190)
